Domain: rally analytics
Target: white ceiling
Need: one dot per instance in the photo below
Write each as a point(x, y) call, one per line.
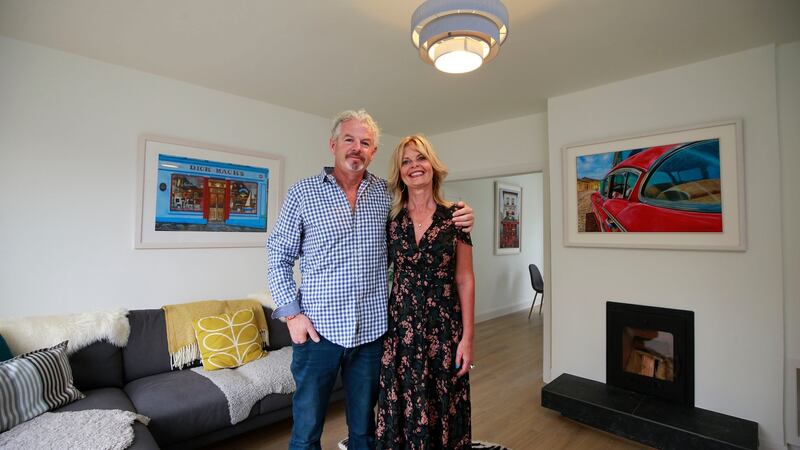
point(322, 56)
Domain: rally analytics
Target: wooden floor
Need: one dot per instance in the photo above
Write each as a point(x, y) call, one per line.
point(506, 399)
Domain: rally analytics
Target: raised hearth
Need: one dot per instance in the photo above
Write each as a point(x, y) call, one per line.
point(645, 418)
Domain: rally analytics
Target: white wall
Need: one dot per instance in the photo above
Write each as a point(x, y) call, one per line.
point(68, 146)
point(789, 119)
point(503, 284)
point(68, 134)
point(737, 297)
point(507, 147)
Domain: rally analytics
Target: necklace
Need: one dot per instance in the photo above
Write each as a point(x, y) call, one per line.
point(425, 214)
point(418, 224)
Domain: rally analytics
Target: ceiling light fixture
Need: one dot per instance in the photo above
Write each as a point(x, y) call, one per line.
point(458, 36)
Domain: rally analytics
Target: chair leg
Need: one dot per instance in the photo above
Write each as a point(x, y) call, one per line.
point(540, 304)
point(533, 303)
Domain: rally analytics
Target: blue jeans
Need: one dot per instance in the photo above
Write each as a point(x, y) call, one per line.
point(314, 367)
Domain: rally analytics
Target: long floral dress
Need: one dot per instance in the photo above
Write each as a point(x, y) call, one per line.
point(422, 403)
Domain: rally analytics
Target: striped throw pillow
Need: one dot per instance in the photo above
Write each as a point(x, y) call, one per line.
point(34, 383)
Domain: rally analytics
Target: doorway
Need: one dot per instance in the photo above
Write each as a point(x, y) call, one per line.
point(216, 201)
point(502, 279)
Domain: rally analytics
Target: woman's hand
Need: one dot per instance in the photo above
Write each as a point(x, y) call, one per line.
point(464, 356)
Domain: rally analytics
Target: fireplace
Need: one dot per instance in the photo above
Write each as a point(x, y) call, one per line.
point(651, 350)
point(649, 391)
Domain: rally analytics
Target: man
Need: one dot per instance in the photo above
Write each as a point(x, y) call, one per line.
point(335, 223)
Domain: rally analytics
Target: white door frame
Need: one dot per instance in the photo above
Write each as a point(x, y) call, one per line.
point(521, 169)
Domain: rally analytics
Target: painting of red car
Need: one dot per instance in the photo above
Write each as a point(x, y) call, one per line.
point(667, 188)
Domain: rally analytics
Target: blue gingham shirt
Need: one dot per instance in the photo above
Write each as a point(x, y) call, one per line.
point(342, 255)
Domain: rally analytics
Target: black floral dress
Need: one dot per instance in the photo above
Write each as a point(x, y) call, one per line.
point(422, 403)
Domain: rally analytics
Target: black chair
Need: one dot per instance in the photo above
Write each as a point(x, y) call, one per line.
point(537, 282)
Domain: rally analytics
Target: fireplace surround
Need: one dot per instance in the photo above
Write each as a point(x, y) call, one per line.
point(651, 350)
point(649, 391)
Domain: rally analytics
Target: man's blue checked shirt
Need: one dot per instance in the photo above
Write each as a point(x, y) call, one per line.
point(342, 255)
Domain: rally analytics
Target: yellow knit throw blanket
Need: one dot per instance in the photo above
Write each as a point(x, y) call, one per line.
point(181, 341)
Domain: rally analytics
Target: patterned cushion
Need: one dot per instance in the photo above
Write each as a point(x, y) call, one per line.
point(34, 383)
point(228, 340)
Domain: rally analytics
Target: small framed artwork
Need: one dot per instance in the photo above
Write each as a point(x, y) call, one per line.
point(195, 195)
point(507, 218)
point(674, 189)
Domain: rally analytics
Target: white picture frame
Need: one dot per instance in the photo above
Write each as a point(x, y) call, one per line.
point(255, 176)
point(730, 236)
point(507, 219)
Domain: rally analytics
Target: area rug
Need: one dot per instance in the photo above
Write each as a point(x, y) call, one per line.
point(476, 445)
point(482, 445)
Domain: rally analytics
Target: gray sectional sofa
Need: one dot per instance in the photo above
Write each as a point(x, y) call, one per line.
point(186, 410)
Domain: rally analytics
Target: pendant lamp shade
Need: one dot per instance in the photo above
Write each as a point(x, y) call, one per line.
point(458, 36)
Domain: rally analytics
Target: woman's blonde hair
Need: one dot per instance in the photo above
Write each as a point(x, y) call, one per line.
point(396, 185)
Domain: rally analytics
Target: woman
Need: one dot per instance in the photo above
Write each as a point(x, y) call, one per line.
point(424, 398)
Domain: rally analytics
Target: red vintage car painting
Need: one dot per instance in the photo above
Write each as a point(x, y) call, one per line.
point(669, 188)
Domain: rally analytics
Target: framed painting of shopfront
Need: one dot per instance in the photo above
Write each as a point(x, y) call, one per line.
point(195, 195)
point(507, 218)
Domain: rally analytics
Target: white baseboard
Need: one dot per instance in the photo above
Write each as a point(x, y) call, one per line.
point(766, 444)
point(502, 311)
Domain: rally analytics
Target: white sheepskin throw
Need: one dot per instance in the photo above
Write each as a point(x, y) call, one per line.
point(27, 334)
point(244, 386)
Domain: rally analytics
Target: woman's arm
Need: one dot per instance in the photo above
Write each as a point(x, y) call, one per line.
point(465, 283)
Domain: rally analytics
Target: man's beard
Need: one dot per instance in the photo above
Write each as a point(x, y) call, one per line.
point(355, 165)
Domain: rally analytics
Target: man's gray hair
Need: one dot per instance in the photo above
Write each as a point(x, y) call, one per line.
point(360, 115)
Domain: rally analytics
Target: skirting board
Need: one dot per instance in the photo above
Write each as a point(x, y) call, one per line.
point(503, 310)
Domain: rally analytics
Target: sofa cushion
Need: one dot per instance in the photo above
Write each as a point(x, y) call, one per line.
point(102, 398)
point(228, 340)
point(34, 383)
point(5, 352)
point(180, 404)
point(146, 353)
point(114, 398)
point(278, 332)
point(274, 402)
point(142, 438)
point(96, 366)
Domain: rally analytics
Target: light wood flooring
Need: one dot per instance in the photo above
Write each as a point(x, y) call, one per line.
point(506, 399)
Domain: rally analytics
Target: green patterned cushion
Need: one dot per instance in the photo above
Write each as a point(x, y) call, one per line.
point(34, 383)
